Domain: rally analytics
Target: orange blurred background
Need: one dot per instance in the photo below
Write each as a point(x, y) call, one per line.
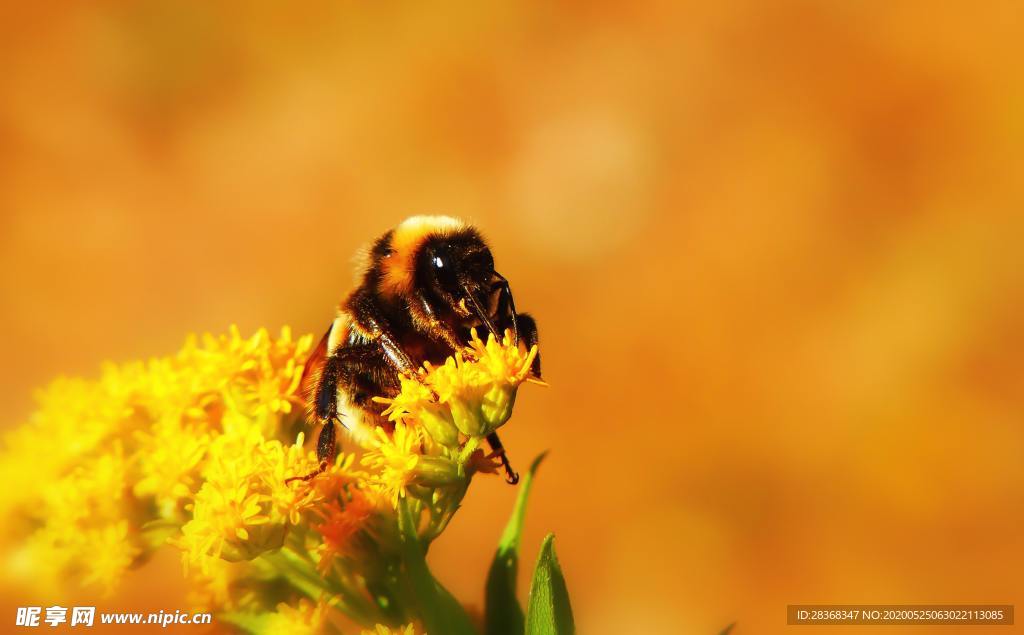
point(774, 250)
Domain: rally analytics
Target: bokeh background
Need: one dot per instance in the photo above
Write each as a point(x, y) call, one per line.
point(774, 250)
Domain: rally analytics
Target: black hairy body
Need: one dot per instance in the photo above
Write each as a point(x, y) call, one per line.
point(424, 286)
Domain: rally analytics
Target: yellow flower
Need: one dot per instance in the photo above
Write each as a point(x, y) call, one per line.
point(111, 553)
point(475, 389)
point(97, 555)
point(256, 377)
point(229, 523)
point(395, 457)
point(441, 417)
point(344, 519)
point(84, 520)
point(169, 462)
point(215, 588)
point(158, 410)
point(282, 463)
point(244, 507)
point(195, 450)
point(73, 420)
point(480, 385)
point(415, 404)
point(305, 619)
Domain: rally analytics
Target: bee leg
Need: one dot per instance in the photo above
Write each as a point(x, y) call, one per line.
point(367, 317)
point(325, 405)
point(423, 310)
point(506, 306)
point(401, 362)
point(326, 450)
point(527, 335)
point(511, 476)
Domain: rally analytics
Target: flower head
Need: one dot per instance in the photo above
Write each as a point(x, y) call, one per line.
point(306, 618)
point(475, 390)
point(199, 449)
point(87, 528)
point(347, 517)
point(244, 507)
point(169, 461)
point(394, 458)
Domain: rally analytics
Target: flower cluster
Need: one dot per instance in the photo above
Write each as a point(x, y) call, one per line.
point(195, 451)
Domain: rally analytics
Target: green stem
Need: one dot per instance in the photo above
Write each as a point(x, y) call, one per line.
point(300, 574)
point(296, 577)
point(354, 601)
point(467, 450)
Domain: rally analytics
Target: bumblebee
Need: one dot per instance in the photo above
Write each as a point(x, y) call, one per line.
point(423, 286)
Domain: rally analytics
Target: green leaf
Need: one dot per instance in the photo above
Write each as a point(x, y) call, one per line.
point(440, 612)
point(727, 629)
point(549, 611)
point(504, 616)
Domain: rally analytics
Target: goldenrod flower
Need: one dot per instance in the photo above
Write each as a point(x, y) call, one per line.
point(216, 588)
point(73, 419)
point(244, 507)
point(481, 392)
point(110, 553)
point(395, 457)
point(85, 518)
point(169, 458)
point(416, 405)
point(475, 390)
point(196, 450)
point(306, 618)
point(343, 521)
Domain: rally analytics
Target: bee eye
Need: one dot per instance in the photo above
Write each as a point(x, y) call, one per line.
point(438, 262)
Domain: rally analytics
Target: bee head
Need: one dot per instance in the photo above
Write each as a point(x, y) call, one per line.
point(458, 269)
point(448, 262)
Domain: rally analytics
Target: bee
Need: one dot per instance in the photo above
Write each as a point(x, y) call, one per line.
point(423, 286)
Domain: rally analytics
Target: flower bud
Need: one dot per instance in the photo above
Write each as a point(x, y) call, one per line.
point(438, 421)
point(254, 541)
point(436, 471)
